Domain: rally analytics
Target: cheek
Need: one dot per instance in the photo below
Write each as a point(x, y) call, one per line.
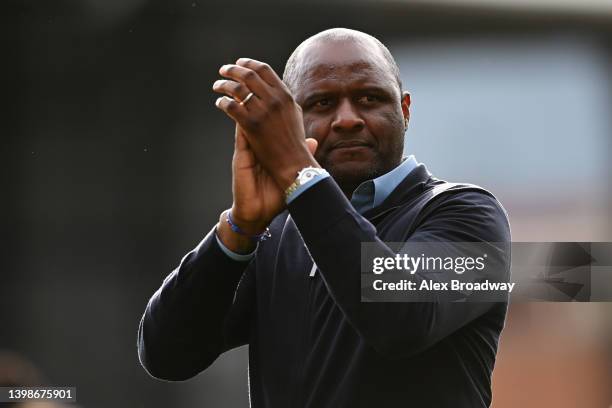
point(394, 118)
point(387, 127)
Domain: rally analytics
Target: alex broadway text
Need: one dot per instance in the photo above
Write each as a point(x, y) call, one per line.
point(431, 285)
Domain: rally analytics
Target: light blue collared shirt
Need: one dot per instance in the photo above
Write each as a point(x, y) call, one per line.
point(372, 193)
point(367, 195)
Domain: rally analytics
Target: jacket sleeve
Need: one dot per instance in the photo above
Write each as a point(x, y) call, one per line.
point(200, 311)
point(333, 232)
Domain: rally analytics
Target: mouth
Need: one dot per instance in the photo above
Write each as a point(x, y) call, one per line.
point(351, 144)
point(351, 151)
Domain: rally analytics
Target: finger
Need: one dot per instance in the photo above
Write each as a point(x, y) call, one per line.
point(262, 69)
point(312, 145)
point(234, 89)
point(231, 108)
point(238, 112)
point(247, 77)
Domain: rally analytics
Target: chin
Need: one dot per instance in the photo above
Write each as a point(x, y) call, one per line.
point(353, 172)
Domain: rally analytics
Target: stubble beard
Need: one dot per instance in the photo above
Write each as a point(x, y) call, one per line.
point(349, 179)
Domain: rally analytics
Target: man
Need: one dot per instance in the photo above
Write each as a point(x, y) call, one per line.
point(294, 297)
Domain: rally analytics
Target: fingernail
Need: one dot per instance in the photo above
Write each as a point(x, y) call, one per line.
point(217, 83)
point(218, 102)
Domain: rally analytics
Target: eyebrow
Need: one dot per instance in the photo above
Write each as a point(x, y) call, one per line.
point(311, 96)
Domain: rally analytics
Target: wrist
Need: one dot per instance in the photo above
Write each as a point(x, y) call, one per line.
point(289, 173)
point(247, 225)
point(235, 242)
point(260, 236)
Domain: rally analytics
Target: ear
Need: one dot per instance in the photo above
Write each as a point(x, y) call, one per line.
point(406, 106)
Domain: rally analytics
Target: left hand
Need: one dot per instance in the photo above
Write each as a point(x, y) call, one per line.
point(271, 119)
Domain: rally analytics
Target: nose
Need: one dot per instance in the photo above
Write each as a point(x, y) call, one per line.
point(347, 119)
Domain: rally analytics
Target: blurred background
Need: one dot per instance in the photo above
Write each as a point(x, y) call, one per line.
point(118, 163)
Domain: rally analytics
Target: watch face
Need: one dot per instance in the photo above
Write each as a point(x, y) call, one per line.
point(307, 176)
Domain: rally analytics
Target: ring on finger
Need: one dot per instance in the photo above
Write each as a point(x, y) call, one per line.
point(245, 100)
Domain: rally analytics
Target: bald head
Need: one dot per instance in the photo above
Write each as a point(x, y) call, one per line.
point(294, 68)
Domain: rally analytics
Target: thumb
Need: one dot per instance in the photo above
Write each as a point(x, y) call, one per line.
point(312, 145)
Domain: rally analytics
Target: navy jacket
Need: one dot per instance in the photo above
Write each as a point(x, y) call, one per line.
point(312, 342)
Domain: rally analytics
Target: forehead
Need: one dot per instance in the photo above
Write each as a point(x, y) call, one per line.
point(343, 64)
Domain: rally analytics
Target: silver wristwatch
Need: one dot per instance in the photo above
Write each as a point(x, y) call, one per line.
point(303, 177)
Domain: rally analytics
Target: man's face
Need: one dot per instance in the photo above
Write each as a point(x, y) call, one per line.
point(352, 106)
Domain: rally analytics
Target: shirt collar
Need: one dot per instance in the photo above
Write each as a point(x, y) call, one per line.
point(372, 193)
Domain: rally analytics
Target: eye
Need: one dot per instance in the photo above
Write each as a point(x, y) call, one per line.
point(369, 99)
point(322, 103)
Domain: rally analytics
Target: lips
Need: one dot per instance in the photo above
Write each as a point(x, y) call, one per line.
point(343, 144)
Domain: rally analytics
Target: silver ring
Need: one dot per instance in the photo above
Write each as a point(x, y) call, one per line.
point(245, 100)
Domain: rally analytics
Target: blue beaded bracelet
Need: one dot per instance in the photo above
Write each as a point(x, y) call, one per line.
point(259, 237)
